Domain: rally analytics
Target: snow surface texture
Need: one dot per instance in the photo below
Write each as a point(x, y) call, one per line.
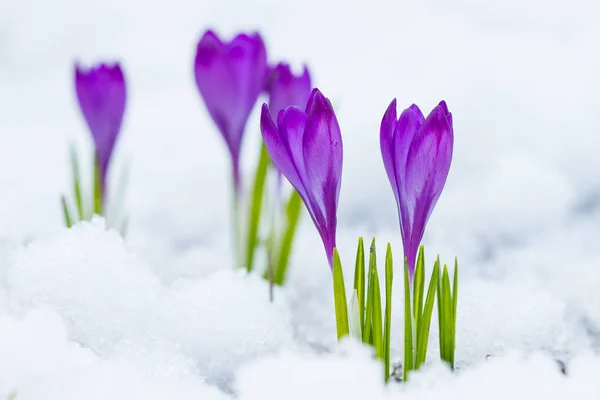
point(84, 315)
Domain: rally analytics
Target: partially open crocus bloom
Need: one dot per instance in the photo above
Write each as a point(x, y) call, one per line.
point(417, 153)
point(286, 89)
point(307, 149)
point(101, 93)
point(230, 77)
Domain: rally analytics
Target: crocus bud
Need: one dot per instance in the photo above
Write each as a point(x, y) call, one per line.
point(230, 77)
point(286, 89)
point(101, 93)
point(416, 153)
point(307, 149)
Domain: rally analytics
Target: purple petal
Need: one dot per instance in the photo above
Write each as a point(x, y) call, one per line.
point(230, 77)
point(101, 92)
point(284, 144)
point(427, 168)
point(323, 158)
point(286, 89)
point(386, 140)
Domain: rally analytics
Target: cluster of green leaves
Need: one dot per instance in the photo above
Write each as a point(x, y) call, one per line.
point(366, 321)
point(279, 247)
point(418, 318)
point(88, 205)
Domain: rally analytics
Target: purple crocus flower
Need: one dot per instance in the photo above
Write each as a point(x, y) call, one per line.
point(307, 149)
point(230, 77)
point(286, 89)
point(417, 153)
point(101, 93)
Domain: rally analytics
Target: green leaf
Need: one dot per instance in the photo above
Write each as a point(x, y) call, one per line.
point(419, 287)
point(66, 213)
point(359, 279)
point(292, 212)
point(339, 294)
point(377, 314)
point(448, 318)
point(97, 187)
point(76, 182)
point(408, 364)
point(355, 324)
point(389, 276)
point(368, 327)
point(441, 316)
point(258, 190)
point(454, 308)
point(423, 332)
point(116, 206)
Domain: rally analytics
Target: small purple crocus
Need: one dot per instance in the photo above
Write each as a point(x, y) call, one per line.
point(230, 77)
point(286, 89)
point(307, 149)
point(417, 153)
point(101, 92)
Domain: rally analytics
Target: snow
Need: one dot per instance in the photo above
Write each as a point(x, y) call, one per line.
point(353, 374)
point(84, 314)
point(113, 304)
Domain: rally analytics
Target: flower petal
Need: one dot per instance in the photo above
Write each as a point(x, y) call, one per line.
point(230, 77)
point(427, 168)
point(386, 143)
point(286, 89)
point(284, 144)
point(101, 92)
point(323, 158)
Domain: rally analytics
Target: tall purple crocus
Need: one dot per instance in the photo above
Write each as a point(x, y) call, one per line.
point(307, 149)
point(230, 77)
point(417, 153)
point(286, 89)
point(101, 93)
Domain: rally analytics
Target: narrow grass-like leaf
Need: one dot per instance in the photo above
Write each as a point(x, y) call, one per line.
point(359, 280)
point(354, 323)
point(292, 212)
point(76, 182)
point(419, 287)
point(454, 309)
point(377, 316)
point(408, 364)
point(258, 190)
point(116, 205)
point(448, 318)
point(423, 332)
point(66, 213)
point(389, 277)
point(339, 294)
point(368, 327)
point(441, 320)
point(98, 190)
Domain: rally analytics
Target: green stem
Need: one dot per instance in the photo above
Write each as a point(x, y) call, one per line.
point(237, 262)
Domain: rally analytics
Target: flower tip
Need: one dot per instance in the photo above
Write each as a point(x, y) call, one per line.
point(444, 107)
point(265, 113)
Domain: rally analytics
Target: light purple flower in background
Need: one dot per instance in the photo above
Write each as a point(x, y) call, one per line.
point(307, 149)
point(230, 77)
point(417, 153)
point(286, 89)
point(101, 92)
